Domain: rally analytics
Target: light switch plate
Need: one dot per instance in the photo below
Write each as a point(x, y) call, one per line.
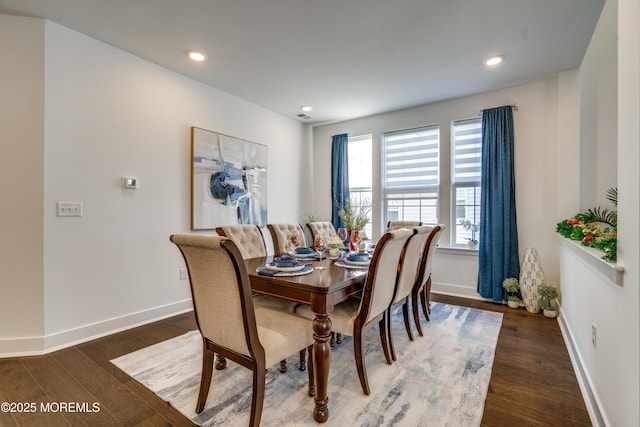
point(69, 208)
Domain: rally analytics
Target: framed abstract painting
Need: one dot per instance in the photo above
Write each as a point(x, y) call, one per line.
point(228, 180)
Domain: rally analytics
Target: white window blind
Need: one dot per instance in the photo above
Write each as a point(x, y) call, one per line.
point(466, 173)
point(467, 150)
point(411, 174)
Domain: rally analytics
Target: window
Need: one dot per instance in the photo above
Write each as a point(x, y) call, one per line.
point(465, 179)
point(410, 177)
point(361, 174)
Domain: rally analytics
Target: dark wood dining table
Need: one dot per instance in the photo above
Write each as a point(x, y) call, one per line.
point(321, 290)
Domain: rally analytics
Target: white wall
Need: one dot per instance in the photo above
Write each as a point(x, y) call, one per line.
point(608, 371)
point(108, 114)
point(536, 135)
point(21, 173)
point(599, 107)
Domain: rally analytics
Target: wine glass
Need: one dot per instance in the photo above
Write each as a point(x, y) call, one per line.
point(355, 238)
point(320, 244)
point(342, 235)
point(293, 242)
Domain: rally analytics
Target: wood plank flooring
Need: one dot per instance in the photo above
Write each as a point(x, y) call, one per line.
point(532, 383)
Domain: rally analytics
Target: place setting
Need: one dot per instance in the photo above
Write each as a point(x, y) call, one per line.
point(354, 260)
point(348, 259)
point(284, 265)
point(302, 253)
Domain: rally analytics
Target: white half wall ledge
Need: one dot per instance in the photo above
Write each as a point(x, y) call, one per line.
point(612, 271)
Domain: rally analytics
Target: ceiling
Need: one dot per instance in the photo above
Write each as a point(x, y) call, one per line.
point(346, 58)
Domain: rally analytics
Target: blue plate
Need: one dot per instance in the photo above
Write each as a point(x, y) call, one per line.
point(304, 251)
point(358, 257)
point(285, 261)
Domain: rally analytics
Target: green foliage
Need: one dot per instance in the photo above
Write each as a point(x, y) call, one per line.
point(612, 196)
point(548, 293)
point(354, 217)
point(569, 231)
point(511, 285)
point(586, 227)
point(599, 215)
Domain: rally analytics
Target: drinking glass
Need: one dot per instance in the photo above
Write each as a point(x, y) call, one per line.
point(342, 235)
point(293, 242)
point(320, 244)
point(355, 238)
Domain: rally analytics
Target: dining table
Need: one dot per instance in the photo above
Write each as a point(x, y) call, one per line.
point(321, 290)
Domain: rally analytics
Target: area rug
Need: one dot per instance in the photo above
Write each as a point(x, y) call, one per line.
point(440, 379)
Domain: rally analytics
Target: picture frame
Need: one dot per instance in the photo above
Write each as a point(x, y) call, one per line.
point(228, 180)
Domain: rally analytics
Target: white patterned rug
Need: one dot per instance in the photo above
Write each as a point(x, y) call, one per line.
point(440, 379)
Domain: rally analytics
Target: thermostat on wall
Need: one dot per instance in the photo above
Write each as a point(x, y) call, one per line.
point(129, 182)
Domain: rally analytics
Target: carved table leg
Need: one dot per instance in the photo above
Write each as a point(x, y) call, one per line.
point(321, 364)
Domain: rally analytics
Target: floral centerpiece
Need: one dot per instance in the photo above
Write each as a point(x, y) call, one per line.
point(354, 217)
point(596, 228)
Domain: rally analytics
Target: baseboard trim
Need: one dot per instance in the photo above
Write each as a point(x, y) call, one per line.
point(36, 346)
point(591, 399)
point(455, 291)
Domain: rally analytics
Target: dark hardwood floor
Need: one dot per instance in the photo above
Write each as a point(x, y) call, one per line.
point(532, 384)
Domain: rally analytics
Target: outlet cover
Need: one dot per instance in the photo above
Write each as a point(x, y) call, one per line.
point(183, 274)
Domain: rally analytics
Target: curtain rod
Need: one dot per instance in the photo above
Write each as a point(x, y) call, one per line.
point(514, 107)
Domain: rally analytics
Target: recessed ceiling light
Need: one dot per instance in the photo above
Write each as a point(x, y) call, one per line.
point(494, 60)
point(196, 55)
point(306, 108)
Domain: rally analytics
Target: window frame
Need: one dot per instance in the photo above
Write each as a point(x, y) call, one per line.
point(418, 190)
point(356, 201)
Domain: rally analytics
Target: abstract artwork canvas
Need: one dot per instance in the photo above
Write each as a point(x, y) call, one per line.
point(228, 180)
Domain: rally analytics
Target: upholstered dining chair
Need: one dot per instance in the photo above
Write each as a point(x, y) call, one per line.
point(422, 289)
point(247, 237)
point(395, 225)
point(227, 320)
point(321, 226)
point(407, 281)
point(249, 240)
point(279, 233)
point(355, 317)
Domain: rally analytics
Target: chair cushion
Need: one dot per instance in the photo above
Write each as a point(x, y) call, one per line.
point(282, 334)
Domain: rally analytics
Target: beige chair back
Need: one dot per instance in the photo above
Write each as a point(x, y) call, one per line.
point(221, 292)
point(247, 238)
point(321, 226)
point(279, 233)
point(413, 254)
point(395, 225)
point(426, 261)
point(382, 277)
